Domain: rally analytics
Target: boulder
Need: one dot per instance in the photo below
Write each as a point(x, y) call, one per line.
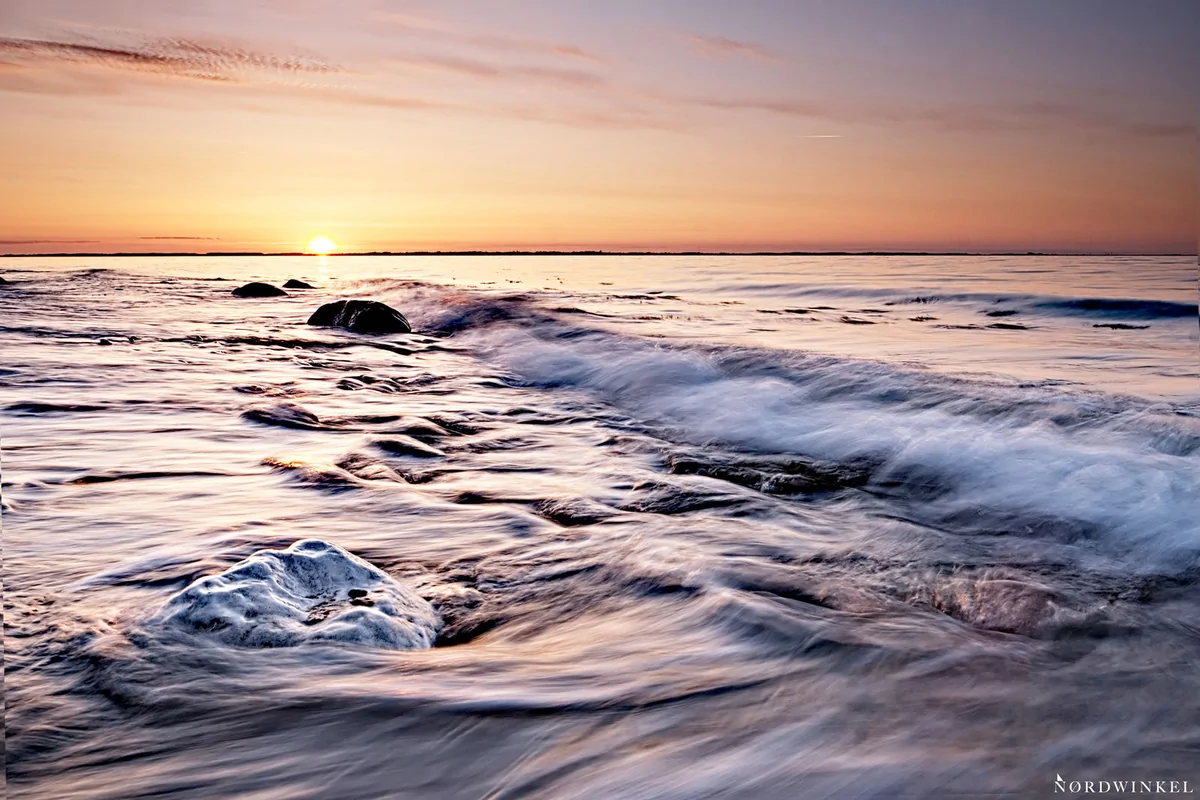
point(360, 316)
point(292, 283)
point(258, 289)
point(311, 592)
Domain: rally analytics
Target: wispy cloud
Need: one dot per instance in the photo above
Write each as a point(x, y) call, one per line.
point(180, 238)
point(721, 47)
point(485, 69)
point(960, 118)
point(175, 57)
point(428, 27)
point(591, 98)
point(4, 242)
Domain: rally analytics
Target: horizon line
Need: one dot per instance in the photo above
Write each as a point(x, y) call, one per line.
point(603, 253)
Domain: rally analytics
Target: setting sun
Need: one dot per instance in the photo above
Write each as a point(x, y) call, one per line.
point(321, 245)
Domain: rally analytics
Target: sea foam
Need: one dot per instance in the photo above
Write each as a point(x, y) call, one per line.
point(311, 592)
point(1013, 470)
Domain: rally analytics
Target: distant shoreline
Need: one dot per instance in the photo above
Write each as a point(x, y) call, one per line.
point(760, 253)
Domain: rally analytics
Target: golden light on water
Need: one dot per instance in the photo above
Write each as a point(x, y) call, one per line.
point(321, 245)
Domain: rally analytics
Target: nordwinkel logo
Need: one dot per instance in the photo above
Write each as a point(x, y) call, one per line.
point(1121, 787)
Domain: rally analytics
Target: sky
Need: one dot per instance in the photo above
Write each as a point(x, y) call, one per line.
point(943, 125)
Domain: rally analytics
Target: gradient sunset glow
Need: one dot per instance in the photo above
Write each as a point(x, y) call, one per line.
point(227, 126)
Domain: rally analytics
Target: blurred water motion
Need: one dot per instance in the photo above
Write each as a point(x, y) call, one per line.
point(694, 527)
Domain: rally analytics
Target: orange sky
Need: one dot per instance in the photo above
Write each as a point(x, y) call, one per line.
point(222, 125)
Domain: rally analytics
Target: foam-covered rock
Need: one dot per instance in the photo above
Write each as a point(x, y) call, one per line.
point(360, 316)
point(258, 289)
point(311, 592)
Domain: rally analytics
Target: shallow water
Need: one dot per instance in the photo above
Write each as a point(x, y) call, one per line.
point(693, 527)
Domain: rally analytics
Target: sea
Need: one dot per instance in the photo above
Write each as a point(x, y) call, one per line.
point(767, 527)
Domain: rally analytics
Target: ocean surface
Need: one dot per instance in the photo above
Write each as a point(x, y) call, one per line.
point(692, 527)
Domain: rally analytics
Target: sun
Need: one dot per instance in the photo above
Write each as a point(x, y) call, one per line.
point(321, 245)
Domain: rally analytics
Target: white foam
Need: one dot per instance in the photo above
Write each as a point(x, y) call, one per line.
point(1142, 500)
point(283, 598)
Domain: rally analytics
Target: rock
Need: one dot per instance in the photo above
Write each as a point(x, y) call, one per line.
point(295, 284)
point(284, 414)
point(104, 343)
point(311, 592)
point(360, 316)
point(400, 445)
point(1005, 605)
point(2, 281)
point(258, 289)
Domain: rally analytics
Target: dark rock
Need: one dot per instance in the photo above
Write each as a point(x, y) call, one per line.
point(3, 281)
point(357, 593)
point(1007, 312)
point(778, 476)
point(407, 446)
point(295, 284)
point(569, 512)
point(258, 289)
point(360, 316)
point(1120, 326)
point(105, 343)
point(286, 415)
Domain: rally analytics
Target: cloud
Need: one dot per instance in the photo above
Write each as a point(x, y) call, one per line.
point(720, 47)
point(28, 65)
point(428, 27)
point(961, 118)
point(180, 238)
point(554, 114)
point(175, 57)
point(483, 69)
point(4, 242)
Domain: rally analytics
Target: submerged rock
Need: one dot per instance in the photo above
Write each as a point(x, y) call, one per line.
point(292, 283)
point(998, 604)
point(360, 316)
point(311, 592)
point(400, 445)
point(285, 414)
point(258, 289)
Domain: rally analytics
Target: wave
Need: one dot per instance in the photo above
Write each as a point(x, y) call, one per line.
point(1118, 475)
point(1121, 307)
point(1090, 307)
point(995, 303)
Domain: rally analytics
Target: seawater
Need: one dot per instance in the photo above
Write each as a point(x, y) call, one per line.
point(735, 527)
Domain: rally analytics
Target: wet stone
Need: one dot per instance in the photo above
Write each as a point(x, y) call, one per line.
point(360, 316)
point(258, 289)
point(298, 596)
